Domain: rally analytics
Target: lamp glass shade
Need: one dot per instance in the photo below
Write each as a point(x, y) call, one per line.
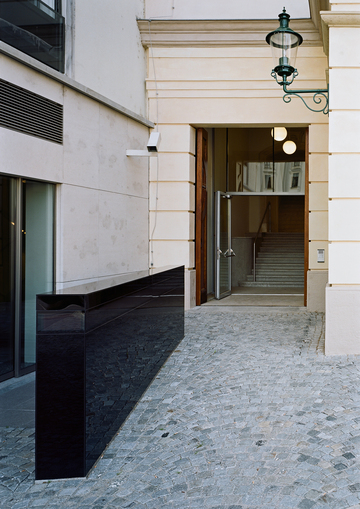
point(284, 43)
point(289, 147)
point(284, 47)
point(279, 133)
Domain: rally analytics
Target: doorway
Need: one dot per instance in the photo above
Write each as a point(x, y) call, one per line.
point(26, 268)
point(257, 177)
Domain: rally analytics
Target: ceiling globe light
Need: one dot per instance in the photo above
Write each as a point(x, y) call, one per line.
point(289, 147)
point(279, 133)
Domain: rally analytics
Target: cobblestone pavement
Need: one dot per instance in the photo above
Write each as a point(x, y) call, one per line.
point(246, 413)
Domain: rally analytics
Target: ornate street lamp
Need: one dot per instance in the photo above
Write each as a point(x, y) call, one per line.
point(284, 43)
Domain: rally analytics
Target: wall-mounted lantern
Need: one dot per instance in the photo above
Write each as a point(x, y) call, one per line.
point(284, 43)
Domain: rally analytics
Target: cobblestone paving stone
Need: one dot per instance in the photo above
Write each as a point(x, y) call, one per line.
point(246, 413)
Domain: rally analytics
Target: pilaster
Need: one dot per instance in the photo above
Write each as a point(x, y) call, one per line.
point(343, 289)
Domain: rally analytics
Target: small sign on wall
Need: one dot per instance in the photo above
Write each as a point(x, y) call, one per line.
point(321, 255)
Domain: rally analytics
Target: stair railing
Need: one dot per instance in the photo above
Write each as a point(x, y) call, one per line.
point(267, 211)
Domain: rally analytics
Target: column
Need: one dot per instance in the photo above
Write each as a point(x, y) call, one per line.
point(343, 289)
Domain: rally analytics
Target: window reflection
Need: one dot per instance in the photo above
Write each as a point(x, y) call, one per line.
point(284, 178)
point(257, 162)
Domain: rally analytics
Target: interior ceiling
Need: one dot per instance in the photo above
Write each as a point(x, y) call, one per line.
point(295, 134)
point(260, 144)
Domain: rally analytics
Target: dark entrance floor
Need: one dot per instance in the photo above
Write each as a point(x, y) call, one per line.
point(17, 402)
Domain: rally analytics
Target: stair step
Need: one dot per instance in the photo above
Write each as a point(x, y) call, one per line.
point(279, 262)
point(286, 254)
point(296, 271)
point(279, 256)
point(279, 265)
point(282, 244)
point(261, 277)
point(261, 284)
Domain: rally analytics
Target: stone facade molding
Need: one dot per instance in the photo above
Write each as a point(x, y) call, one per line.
point(205, 33)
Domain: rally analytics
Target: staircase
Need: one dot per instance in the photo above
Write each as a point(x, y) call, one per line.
point(280, 261)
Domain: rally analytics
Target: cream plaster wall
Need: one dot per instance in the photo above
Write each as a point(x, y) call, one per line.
point(318, 213)
point(317, 280)
point(106, 51)
point(343, 290)
point(172, 200)
point(226, 87)
point(102, 219)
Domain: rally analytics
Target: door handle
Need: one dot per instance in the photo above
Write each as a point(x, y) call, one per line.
point(228, 254)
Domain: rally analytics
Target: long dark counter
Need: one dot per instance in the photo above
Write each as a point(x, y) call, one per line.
point(98, 349)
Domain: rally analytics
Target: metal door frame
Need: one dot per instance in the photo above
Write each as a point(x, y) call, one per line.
point(218, 253)
point(229, 252)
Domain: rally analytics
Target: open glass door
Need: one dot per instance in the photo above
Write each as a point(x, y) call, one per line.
point(223, 251)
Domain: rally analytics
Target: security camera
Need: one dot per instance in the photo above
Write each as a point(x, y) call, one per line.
point(152, 147)
point(154, 142)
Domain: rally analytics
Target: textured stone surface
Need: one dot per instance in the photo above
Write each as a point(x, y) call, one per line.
point(246, 413)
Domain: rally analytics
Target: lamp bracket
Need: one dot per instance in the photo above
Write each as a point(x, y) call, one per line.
point(320, 96)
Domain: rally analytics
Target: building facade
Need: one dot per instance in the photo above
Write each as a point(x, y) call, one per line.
point(213, 73)
point(82, 85)
point(209, 70)
point(74, 208)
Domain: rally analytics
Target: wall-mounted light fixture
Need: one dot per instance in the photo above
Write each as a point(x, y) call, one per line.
point(284, 43)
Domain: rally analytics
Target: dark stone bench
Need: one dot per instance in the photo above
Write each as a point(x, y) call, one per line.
point(98, 349)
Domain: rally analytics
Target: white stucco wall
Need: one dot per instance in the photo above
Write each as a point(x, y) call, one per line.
point(104, 50)
point(102, 202)
point(231, 9)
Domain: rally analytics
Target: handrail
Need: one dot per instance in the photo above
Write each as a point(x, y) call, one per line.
point(268, 209)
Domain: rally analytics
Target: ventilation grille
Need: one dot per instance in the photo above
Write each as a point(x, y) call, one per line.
point(29, 113)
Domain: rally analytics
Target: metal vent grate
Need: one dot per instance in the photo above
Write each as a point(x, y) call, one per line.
point(29, 113)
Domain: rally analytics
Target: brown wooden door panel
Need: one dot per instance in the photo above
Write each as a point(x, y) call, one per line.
point(200, 216)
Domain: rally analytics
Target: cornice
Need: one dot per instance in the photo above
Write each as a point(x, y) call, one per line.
point(315, 7)
point(339, 19)
point(172, 33)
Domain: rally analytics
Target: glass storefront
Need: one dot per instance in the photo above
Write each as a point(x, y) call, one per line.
point(7, 275)
point(26, 268)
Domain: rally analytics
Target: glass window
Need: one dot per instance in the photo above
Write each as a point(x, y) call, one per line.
point(37, 258)
point(26, 268)
point(7, 279)
point(295, 180)
point(36, 28)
